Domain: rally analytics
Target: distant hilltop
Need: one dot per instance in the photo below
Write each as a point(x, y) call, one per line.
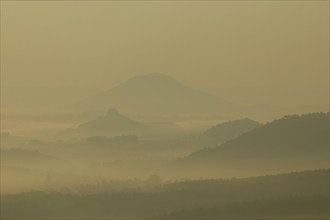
point(229, 130)
point(157, 93)
point(113, 123)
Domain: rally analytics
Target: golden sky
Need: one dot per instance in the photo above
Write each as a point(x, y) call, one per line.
point(205, 45)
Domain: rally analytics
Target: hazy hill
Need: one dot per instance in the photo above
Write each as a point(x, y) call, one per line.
point(113, 123)
point(157, 93)
point(229, 130)
point(293, 138)
point(284, 196)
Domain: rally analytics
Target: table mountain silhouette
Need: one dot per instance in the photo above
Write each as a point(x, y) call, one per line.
point(113, 123)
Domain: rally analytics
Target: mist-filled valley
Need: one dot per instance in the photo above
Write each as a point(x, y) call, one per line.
point(108, 164)
point(164, 110)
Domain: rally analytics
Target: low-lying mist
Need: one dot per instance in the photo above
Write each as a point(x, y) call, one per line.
point(112, 164)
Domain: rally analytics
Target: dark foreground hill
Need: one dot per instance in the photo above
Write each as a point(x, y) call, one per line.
point(293, 195)
point(294, 207)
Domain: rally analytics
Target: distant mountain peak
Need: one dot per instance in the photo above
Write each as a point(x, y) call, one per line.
point(160, 76)
point(157, 93)
point(113, 112)
point(152, 79)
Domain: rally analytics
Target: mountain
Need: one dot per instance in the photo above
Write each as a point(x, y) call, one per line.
point(157, 94)
point(292, 142)
point(113, 123)
point(229, 130)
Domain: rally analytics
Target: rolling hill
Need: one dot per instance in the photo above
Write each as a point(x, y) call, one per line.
point(229, 130)
point(290, 143)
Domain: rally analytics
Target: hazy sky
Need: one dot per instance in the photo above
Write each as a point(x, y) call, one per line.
point(206, 45)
